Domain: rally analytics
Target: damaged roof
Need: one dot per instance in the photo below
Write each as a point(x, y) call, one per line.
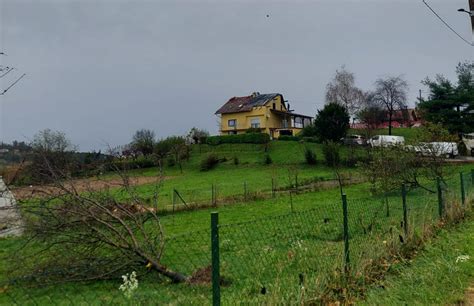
point(245, 104)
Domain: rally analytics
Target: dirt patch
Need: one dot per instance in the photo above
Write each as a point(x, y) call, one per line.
point(323, 185)
point(81, 185)
point(203, 276)
point(469, 298)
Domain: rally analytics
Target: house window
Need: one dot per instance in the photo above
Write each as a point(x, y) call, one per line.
point(285, 123)
point(255, 123)
point(274, 105)
point(232, 123)
point(298, 122)
point(232, 132)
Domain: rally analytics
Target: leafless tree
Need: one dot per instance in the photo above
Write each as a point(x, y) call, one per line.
point(391, 95)
point(53, 147)
point(371, 115)
point(342, 90)
point(143, 142)
point(49, 140)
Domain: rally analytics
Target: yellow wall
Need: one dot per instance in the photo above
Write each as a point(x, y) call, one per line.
point(268, 120)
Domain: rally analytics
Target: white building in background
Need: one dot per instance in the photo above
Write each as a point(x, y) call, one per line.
point(10, 218)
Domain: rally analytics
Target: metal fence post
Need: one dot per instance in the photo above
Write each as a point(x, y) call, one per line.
point(472, 177)
point(463, 193)
point(405, 213)
point(346, 233)
point(216, 289)
point(245, 191)
point(212, 194)
point(440, 198)
point(173, 198)
point(291, 201)
point(215, 195)
point(273, 187)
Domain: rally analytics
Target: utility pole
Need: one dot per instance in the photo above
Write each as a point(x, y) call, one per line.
point(471, 9)
point(470, 12)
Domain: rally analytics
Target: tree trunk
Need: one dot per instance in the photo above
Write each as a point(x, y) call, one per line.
point(390, 123)
point(175, 277)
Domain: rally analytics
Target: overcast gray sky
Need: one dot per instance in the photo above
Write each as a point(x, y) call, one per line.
point(99, 70)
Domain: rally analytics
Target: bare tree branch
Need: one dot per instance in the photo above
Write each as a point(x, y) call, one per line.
point(391, 95)
point(83, 229)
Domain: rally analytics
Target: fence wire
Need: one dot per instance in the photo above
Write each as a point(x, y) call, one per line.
point(297, 257)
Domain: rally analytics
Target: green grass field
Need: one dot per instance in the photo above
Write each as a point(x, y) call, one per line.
point(251, 174)
point(440, 276)
point(281, 250)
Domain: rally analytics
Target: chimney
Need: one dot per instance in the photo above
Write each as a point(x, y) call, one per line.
point(255, 94)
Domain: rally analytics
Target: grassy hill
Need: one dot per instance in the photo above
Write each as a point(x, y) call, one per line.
point(274, 250)
point(251, 174)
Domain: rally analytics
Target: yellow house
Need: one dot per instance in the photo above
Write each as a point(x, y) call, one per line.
point(267, 112)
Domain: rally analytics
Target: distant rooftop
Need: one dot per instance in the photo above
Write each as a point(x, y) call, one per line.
point(245, 104)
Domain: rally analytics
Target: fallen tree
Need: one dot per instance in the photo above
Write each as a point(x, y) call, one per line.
point(91, 235)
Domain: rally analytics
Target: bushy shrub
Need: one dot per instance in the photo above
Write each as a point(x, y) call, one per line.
point(308, 131)
point(463, 149)
point(331, 154)
point(268, 159)
point(170, 161)
point(209, 162)
point(253, 130)
point(350, 161)
point(197, 136)
point(310, 156)
point(257, 138)
point(331, 123)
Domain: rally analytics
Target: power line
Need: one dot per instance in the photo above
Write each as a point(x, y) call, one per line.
point(446, 24)
point(13, 84)
point(7, 69)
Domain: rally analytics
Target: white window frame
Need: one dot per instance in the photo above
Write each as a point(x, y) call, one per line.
point(298, 122)
point(255, 123)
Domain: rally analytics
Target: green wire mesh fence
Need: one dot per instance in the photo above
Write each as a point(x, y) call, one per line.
point(303, 256)
point(173, 199)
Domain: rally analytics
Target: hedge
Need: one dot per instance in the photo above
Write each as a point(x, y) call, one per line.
point(289, 138)
point(298, 138)
point(257, 138)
